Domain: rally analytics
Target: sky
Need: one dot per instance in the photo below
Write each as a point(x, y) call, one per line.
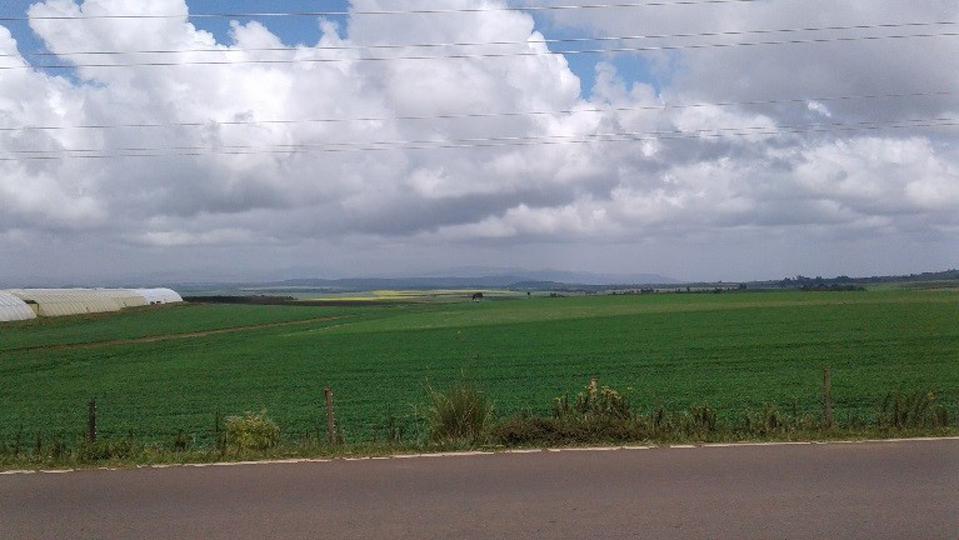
point(687, 159)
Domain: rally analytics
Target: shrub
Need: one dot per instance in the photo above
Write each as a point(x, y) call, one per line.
point(524, 430)
point(528, 430)
point(105, 450)
point(768, 421)
point(660, 421)
point(251, 432)
point(461, 413)
point(701, 420)
point(594, 402)
point(900, 410)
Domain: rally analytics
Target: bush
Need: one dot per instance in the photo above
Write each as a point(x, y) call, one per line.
point(525, 430)
point(594, 402)
point(660, 421)
point(105, 450)
point(766, 422)
point(701, 420)
point(251, 432)
point(531, 430)
point(916, 410)
point(461, 413)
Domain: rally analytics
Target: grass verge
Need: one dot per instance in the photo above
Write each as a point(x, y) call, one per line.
point(461, 418)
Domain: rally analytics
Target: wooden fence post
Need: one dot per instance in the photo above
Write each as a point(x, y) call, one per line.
point(827, 398)
point(330, 418)
point(92, 421)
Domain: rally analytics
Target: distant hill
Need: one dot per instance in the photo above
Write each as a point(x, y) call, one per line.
point(804, 281)
point(560, 276)
point(520, 280)
point(545, 280)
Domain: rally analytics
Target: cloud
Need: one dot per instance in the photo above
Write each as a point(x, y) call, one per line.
point(670, 172)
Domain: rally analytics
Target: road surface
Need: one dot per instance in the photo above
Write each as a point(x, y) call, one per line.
point(872, 490)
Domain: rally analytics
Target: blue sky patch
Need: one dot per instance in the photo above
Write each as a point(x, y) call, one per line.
point(305, 30)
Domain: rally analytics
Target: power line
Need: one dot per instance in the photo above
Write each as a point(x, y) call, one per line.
point(657, 48)
point(547, 41)
point(495, 114)
point(366, 12)
point(487, 142)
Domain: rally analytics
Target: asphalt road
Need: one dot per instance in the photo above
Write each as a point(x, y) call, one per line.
point(883, 490)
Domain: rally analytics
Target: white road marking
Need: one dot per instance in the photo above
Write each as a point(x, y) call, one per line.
point(298, 461)
point(587, 449)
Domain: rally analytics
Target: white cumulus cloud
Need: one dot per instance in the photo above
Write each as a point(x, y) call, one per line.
point(640, 171)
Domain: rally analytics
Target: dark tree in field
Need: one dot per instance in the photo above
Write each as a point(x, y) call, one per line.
point(477, 297)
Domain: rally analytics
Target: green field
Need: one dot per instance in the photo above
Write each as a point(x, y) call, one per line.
point(734, 351)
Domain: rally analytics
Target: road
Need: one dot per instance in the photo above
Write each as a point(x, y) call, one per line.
point(870, 490)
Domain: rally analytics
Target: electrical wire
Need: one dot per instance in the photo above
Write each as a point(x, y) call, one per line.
point(367, 12)
point(546, 41)
point(665, 106)
point(485, 142)
point(658, 48)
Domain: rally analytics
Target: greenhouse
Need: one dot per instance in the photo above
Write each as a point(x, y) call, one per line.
point(127, 298)
point(13, 308)
point(62, 302)
point(159, 296)
point(24, 304)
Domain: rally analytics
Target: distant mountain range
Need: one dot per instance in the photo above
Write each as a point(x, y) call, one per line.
point(495, 278)
point(463, 278)
point(561, 276)
point(543, 280)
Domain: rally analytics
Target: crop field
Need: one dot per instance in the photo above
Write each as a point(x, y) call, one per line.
point(155, 372)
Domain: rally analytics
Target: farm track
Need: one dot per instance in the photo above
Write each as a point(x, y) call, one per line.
point(169, 337)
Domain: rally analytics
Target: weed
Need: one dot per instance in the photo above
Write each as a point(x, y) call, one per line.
point(767, 421)
point(105, 450)
point(701, 420)
point(660, 421)
point(58, 449)
point(901, 410)
point(393, 428)
point(181, 442)
point(18, 442)
point(461, 413)
point(594, 402)
point(219, 436)
point(251, 432)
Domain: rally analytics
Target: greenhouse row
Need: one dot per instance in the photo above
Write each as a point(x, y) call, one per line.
point(26, 304)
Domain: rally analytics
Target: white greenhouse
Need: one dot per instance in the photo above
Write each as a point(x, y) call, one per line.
point(159, 296)
point(127, 297)
point(13, 308)
point(24, 304)
point(62, 302)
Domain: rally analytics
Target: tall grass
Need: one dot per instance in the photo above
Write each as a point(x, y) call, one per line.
point(462, 416)
point(902, 410)
point(459, 414)
point(594, 402)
